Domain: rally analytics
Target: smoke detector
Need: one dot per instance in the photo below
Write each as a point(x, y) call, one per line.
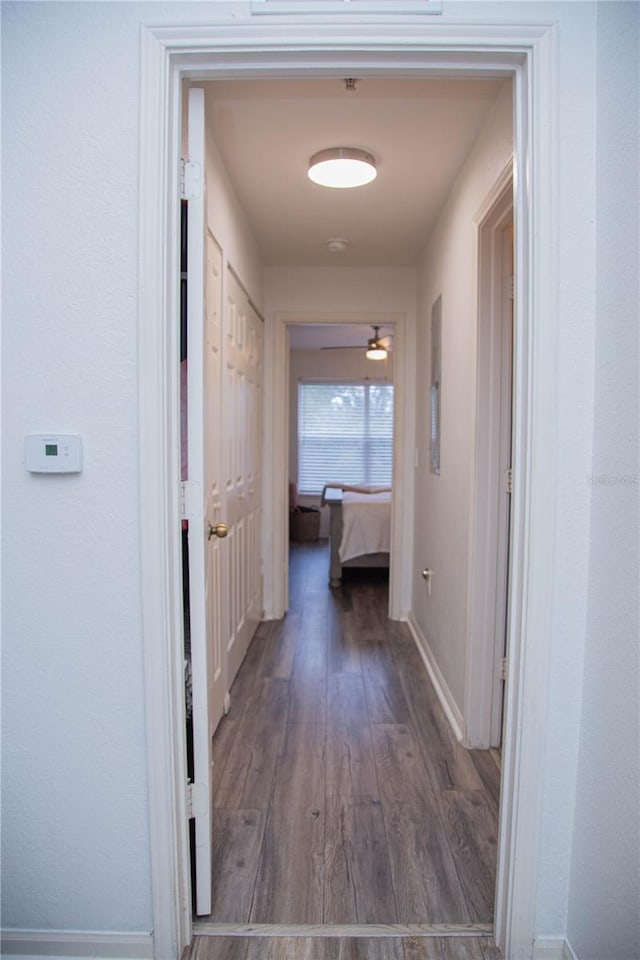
point(337, 245)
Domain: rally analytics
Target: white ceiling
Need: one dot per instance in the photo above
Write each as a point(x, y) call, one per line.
point(420, 132)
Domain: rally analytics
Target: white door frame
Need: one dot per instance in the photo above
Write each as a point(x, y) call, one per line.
point(277, 465)
point(489, 549)
point(319, 46)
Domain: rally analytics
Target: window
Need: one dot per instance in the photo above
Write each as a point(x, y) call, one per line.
point(345, 434)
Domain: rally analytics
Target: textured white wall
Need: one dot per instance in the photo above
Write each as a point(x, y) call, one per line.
point(442, 523)
point(306, 290)
point(75, 846)
point(604, 896)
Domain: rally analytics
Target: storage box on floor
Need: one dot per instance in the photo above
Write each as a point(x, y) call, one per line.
point(304, 524)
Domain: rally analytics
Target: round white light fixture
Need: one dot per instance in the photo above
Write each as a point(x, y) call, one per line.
point(342, 167)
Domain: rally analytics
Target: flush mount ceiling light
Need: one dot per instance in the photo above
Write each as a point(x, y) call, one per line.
point(342, 167)
point(375, 348)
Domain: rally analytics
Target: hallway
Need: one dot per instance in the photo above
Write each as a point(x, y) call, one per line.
point(341, 796)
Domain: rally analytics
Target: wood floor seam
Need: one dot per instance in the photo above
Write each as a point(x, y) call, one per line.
point(384, 821)
point(351, 931)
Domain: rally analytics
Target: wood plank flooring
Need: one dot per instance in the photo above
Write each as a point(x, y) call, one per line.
point(342, 948)
point(341, 795)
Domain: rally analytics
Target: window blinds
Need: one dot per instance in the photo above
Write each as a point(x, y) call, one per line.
point(345, 434)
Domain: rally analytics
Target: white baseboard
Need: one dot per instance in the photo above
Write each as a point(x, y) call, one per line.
point(553, 948)
point(449, 705)
point(76, 944)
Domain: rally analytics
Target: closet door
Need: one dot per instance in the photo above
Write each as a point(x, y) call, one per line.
point(243, 350)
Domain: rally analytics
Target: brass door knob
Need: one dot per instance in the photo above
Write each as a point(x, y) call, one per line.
point(218, 530)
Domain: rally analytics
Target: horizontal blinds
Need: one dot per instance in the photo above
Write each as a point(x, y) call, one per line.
point(345, 434)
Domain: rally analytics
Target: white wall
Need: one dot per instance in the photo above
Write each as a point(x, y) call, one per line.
point(336, 290)
point(75, 821)
point(604, 894)
point(75, 845)
point(442, 520)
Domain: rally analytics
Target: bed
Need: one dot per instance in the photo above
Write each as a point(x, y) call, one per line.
point(359, 528)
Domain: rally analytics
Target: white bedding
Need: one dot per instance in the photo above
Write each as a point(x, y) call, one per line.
point(366, 524)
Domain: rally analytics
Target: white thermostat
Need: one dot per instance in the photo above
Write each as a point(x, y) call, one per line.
point(53, 453)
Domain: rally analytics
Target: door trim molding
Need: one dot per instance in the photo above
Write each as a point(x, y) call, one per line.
point(323, 47)
point(159, 468)
point(486, 593)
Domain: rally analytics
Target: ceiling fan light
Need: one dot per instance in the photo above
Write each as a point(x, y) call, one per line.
point(342, 168)
point(375, 350)
point(376, 353)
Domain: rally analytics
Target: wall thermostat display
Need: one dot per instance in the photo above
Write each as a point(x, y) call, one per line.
point(53, 453)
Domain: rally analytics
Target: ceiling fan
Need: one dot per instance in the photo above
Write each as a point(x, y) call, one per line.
point(377, 347)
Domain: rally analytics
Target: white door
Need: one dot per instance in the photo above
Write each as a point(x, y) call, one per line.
point(243, 351)
point(204, 493)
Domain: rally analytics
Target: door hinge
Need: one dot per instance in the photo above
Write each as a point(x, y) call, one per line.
point(190, 180)
point(502, 668)
point(196, 800)
point(188, 499)
point(509, 480)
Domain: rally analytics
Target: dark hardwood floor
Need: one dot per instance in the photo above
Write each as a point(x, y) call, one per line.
point(344, 948)
point(341, 795)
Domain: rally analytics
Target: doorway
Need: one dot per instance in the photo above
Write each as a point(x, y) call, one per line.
point(524, 53)
point(341, 430)
point(403, 380)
